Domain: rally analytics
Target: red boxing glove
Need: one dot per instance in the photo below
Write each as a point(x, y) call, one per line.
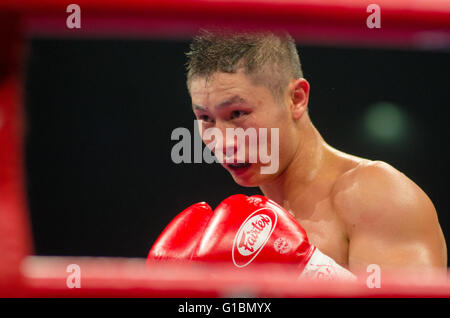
point(255, 230)
point(179, 239)
point(248, 230)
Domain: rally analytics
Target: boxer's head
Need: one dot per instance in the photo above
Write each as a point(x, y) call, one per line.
point(249, 80)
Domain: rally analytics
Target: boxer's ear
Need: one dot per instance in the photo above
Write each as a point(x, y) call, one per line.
point(299, 95)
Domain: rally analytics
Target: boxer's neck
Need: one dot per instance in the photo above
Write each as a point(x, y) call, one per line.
point(312, 162)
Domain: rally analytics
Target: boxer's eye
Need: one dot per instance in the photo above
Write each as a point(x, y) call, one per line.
point(237, 113)
point(205, 118)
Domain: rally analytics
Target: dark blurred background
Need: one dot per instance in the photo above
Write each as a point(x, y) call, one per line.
point(100, 114)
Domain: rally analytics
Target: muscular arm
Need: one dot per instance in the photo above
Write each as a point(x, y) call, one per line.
point(390, 221)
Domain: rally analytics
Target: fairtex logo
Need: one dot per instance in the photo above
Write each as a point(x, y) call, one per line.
point(252, 236)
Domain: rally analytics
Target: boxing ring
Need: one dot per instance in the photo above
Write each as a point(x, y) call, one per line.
point(419, 24)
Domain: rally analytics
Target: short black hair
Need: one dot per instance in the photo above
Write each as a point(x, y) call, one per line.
point(270, 58)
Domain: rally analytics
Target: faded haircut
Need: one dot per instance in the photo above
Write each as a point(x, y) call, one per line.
point(267, 58)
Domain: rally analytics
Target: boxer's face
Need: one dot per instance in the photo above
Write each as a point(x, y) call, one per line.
point(227, 100)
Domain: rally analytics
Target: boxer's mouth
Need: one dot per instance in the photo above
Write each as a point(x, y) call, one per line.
point(239, 167)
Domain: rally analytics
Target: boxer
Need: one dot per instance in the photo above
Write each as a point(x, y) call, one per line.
point(355, 211)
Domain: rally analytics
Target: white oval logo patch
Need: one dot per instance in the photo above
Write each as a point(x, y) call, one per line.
point(252, 236)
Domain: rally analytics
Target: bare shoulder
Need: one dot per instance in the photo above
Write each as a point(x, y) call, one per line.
point(375, 192)
point(388, 218)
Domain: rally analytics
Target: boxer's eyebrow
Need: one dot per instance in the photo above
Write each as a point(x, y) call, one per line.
point(236, 99)
point(197, 107)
